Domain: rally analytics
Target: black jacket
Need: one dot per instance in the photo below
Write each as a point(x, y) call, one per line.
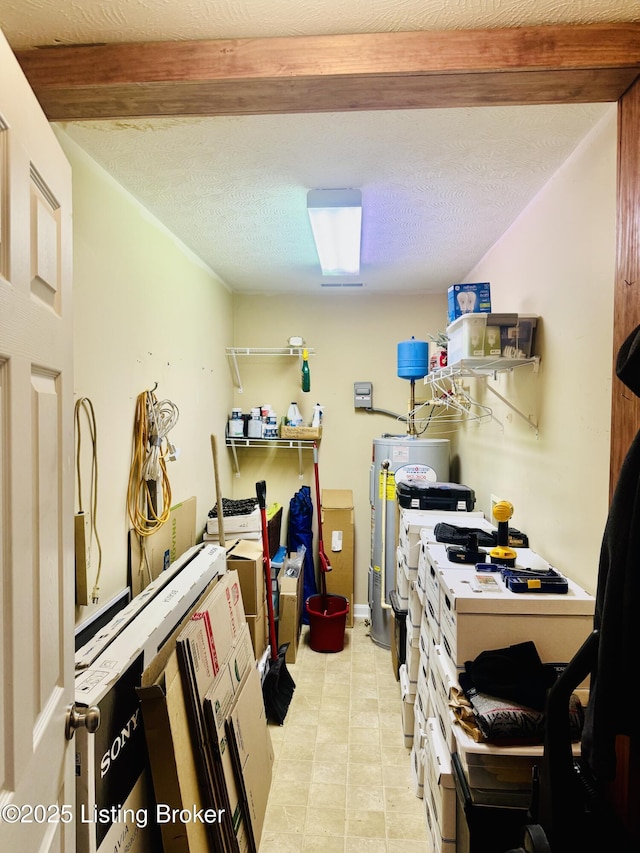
point(617, 615)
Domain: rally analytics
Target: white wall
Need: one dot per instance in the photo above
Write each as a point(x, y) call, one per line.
point(145, 311)
point(557, 261)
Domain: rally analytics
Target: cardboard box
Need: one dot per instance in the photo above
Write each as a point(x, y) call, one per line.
point(304, 433)
point(175, 753)
point(471, 622)
point(217, 705)
point(163, 547)
point(173, 764)
point(468, 299)
point(291, 603)
point(252, 751)
point(338, 538)
point(245, 557)
point(236, 525)
point(204, 649)
point(439, 786)
point(112, 765)
point(259, 631)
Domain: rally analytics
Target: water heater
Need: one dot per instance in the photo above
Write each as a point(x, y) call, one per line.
point(391, 452)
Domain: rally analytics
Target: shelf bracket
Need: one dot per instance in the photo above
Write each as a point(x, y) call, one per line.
point(236, 465)
point(527, 420)
point(236, 371)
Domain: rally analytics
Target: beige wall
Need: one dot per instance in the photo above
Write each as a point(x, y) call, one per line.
point(355, 338)
point(145, 311)
point(556, 261)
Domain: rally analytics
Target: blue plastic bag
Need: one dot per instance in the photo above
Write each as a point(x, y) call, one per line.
point(300, 532)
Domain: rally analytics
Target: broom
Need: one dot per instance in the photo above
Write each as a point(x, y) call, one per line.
point(277, 684)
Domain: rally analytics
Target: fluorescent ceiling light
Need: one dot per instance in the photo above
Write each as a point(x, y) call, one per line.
point(336, 222)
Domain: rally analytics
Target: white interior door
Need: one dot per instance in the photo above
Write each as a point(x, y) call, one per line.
point(36, 476)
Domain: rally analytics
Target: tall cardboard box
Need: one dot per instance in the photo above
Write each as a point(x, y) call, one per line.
point(338, 540)
point(163, 547)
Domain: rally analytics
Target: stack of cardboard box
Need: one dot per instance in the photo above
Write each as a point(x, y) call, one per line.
point(209, 744)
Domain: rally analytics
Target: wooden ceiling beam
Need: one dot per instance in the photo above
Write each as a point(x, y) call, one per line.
point(529, 65)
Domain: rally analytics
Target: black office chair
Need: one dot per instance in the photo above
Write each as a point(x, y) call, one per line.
point(569, 812)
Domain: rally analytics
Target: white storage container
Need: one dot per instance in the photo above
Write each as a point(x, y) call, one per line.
point(483, 339)
point(413, 521)
point(414, 616)
point(417, 760)
point(402, 581)
point(408, 697)
point(445, 679)
point(422, 706)
point(439, 787)
point(412, 655)
point(497, 768)
point(473, 622)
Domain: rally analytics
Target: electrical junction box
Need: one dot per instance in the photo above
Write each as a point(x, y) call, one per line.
point(362, 395)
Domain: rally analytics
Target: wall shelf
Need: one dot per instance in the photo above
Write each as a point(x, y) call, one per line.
point(485, 368)
point(278, 443)
point(234, 352)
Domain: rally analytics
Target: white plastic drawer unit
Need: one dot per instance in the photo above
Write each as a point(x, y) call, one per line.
point(438, 781)
point(473, 622)
point(445, 679)
point(402, 581)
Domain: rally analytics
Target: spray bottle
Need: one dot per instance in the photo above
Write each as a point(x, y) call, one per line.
point(317, 415)
point(306, 375)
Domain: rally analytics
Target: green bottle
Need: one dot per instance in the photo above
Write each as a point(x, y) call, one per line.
point(306, 375)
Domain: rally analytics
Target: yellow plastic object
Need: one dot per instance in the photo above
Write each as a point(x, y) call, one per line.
point(502, 553)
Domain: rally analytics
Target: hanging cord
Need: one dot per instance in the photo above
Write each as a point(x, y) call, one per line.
point(84, 404)
point(153, 421)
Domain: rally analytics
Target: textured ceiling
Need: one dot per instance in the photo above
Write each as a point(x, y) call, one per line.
point(439, 186)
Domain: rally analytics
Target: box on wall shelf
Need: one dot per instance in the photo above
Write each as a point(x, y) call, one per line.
point(304, 433)
point(483, 339)
point(338, 539)
point(468, 299)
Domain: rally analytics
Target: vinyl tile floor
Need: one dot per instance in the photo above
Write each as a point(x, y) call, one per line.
point(341, 775)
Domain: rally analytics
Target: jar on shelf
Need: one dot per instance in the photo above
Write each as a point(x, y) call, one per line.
point(236, 423)
point(254, 427)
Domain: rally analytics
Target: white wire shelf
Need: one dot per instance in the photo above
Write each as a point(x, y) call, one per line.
point(234, 352)
point(299, 444)
point(484, 368)
point(480, 366)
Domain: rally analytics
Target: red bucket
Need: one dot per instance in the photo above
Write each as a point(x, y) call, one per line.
point(327, 620)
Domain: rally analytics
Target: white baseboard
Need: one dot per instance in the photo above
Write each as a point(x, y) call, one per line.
point(361, 611)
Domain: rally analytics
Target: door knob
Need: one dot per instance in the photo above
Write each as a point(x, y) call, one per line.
point(77, 717)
